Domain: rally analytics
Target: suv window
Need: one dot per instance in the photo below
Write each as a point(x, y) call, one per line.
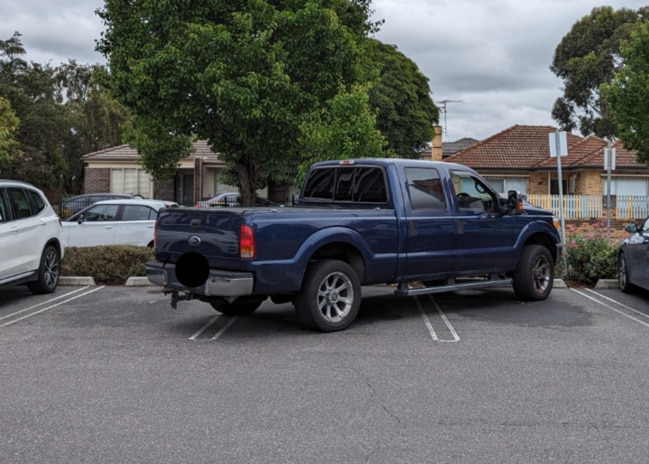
point(360, 184)
point(101, 213)
point(4, 207)
point(20, 201)
point(138, 213)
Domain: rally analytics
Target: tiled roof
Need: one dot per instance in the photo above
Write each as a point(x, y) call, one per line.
point(527, 147)
point(518, 147)
point(589, 153)
point(126, 153)
point(450, 148)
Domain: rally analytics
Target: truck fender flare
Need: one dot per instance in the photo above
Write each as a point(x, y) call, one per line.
point(538, 229)
point(328, 236)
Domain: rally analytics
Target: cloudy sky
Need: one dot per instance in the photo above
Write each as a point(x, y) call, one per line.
point(489, 59)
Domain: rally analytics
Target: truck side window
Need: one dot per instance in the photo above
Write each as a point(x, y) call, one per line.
point(425, 189)
point(472, 195)
point(342, 184)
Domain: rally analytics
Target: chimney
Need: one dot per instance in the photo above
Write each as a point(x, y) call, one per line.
point(437, 144)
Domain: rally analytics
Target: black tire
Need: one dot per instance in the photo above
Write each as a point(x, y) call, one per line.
point(238, 308)
point(330, 296)
point(534, 274)
point(49, 272)
point(623, 275)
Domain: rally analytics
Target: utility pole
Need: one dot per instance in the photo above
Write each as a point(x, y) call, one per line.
point(442, 104)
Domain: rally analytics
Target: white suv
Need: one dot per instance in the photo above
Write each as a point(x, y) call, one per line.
point(31, 247)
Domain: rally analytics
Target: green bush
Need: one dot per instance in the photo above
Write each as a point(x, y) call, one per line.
point(590, 255)
point(108, 265)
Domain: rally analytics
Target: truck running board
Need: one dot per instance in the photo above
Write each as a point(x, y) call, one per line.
point(451, 285)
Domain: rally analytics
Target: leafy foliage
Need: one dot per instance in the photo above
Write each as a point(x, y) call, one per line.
point(406, 112)
point(109, 265)
point(587, 57)
point(63, 113)
point(344, 129)
point(9, 147)
point(628, 94)
point(590, 255)
point(250, 77)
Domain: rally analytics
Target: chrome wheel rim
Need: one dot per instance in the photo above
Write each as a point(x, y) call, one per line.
point(541, 273)
point(52, 269)
point(335, 297)
point(623, 278)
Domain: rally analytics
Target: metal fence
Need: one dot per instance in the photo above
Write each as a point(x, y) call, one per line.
point(594, 206)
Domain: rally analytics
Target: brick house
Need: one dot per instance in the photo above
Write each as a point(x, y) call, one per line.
point(118, 170)
point(518, 158)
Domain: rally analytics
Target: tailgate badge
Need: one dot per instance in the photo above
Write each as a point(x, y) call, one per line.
point(194, 240)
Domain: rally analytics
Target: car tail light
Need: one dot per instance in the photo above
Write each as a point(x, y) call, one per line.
point(247, 244)
point(198, 205)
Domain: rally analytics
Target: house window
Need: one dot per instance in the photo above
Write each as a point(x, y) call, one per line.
point(554, 186)
point(130, 180)
point(628, 186)
point(504, 184)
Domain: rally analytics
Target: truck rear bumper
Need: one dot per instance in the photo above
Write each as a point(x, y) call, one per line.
point(218, 283)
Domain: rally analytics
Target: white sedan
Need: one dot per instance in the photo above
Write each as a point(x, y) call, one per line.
point(114, 222)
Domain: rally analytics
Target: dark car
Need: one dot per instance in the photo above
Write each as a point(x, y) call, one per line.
point(74, 204)
point(633, 258)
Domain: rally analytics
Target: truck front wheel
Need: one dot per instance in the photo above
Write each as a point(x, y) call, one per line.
point(534, 274)
point(330, 296)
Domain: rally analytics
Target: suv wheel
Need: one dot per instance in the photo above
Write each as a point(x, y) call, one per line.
point(48, 272)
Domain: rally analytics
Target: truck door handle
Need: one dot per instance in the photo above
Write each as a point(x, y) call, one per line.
point(412, 228)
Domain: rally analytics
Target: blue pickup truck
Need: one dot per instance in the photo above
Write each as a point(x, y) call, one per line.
point(422, 226)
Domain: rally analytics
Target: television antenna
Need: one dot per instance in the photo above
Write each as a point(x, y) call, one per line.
point(442, 105)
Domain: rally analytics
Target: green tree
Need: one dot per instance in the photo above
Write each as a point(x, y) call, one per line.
point(31, 91)
point(587, 57)
point(406, 112)
point(9, 147)
point(345, 128)
point(243, 75)
point(628, 94)
point(64, 113)
point(96, 119)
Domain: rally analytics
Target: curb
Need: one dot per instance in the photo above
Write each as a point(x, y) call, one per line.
point(80, 281)
point(75, 280)
point(607, 283)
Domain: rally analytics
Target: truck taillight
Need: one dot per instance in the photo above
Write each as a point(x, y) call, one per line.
point(247, 245)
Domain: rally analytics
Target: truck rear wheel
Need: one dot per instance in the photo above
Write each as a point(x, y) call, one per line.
point(237, 308)
point(534, 274)
point(330, 296)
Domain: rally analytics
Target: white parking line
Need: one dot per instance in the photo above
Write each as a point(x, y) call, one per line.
point(209, 324)
point(6, 324)
point(619, 303)
point(622, 313)
point(429, 325)
point(42, 303)
point(456, 337)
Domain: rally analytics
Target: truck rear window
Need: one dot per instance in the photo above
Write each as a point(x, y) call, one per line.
point(358, 184)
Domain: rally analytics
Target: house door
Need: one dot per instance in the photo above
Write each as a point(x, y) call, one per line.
point(188, 190)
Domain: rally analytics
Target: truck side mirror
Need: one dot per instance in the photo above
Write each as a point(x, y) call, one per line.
point(514, 202)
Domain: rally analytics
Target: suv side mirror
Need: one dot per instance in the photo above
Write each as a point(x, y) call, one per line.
point(632, 228)
point(514, 202)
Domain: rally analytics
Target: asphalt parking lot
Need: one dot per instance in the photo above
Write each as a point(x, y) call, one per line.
point(114, 375)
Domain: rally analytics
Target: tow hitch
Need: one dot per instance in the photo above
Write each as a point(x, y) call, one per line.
point(176, 297)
